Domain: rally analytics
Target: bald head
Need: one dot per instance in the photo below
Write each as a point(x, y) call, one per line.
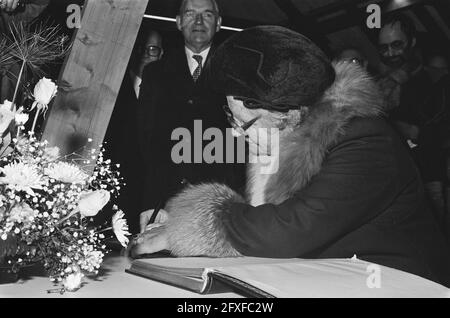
point(153, 38)
point(198, 21)
point(184, 4)
point(151, 49)
point(148, 50)
point(437, 61)
point(437, 66)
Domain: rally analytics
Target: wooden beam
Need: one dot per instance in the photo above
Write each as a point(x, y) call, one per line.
point(306, 25)
point(334, 7)
point(92, 74)
point(443, 8)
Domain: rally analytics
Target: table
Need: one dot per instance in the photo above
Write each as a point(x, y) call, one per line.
point(319, 278)
point(115, 283)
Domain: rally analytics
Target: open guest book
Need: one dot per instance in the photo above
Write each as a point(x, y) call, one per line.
point(262, 277)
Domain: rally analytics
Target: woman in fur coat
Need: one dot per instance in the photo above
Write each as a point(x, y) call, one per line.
point(341, 182)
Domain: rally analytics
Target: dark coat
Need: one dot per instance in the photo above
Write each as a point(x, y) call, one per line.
point(171, 99)
point(346, 186)
point(121, 146)
point(424, 105)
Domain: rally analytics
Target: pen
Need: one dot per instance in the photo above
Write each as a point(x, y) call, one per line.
point(152, 220)
point(155, 213)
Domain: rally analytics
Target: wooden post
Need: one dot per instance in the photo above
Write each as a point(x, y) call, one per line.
point(92, 75)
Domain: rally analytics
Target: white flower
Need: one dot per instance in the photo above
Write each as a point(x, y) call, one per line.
point(120, 228)
point(6, 116)
point(7, 103)
point(21, 177)
point(92, 202)
point(66, 172)
point(73, 281)
point(51, 153)
point(92, 261)
point(44, 91)
point(21, 118)
point(22, 213)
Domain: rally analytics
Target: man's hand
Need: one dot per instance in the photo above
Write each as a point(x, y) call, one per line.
point(9, 5)
point(145, 217)
point(151, 241)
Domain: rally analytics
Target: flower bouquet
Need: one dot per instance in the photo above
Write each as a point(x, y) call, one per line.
point(48, 201)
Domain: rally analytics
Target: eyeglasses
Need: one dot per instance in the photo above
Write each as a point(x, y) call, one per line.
point(355, 60)
point(240, 129)
point(153, 50)
point(396, 46)
point(192, 15)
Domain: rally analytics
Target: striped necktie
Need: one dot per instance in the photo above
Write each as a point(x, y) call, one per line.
point(198, 70)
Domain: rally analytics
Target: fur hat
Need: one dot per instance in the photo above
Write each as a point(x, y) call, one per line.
point(271, 67)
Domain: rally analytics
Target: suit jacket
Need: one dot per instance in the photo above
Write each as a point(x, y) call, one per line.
point(121, 147)
point(170, 99)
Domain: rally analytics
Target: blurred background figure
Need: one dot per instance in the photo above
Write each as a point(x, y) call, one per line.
point(15, 11)
point(121, 137)
point(436, 66)
point(403, 81)
point(415, 106)
point(12, 11)
point(438, 115)
point(148, 49)
point(353, 55)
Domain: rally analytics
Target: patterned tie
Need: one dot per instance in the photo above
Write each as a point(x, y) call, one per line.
point(198, 70)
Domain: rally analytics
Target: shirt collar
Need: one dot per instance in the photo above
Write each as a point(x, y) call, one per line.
point(192, 62)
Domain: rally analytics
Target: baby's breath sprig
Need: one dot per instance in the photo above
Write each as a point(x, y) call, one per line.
point(48, 216)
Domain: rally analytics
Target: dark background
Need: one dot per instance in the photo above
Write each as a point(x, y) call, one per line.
point(332, 24)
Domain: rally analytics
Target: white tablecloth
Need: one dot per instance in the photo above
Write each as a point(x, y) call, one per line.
point(315, 280)
point(114, 283)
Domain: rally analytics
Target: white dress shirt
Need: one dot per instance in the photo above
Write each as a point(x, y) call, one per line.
point(192, 62)
point(136, 80)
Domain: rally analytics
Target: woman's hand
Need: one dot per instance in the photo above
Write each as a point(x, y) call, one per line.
point(145, 217)
point(151, 241)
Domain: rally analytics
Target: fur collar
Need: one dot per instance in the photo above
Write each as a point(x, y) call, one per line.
point(353, 94)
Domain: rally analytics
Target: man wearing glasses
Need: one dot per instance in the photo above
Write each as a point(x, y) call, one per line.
point(408, 90)
point(148, 51)
point(175, 94)
point(121, 136)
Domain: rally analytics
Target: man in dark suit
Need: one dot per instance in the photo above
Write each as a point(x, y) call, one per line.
point(121, 137)
point(174, 94)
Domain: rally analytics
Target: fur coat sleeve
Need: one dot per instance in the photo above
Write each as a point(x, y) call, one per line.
point(356, 183)
point(346, 185)
point(307, 195)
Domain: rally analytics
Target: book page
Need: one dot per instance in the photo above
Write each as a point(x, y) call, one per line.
point(333, 278)
point(185, 270)
point(207, 262)
point(304, 277)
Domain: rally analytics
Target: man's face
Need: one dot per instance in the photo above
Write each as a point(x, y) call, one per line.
point(394, 47)
point(437, 67)
point(199, 23)
point(152, 51)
